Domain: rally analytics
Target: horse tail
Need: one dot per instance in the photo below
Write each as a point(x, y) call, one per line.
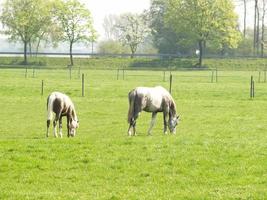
point(50, 102)
point(131, 97)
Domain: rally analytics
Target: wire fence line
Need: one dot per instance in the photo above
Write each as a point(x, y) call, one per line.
point(157, 55)
point(201, 76)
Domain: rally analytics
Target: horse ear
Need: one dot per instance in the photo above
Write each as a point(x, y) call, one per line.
point(178, 116)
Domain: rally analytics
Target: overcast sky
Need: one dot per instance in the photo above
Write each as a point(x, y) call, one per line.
point(101, 8)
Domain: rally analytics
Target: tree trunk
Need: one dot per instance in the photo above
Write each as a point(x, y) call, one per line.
point(37, 47)
point(262, 30)
point(200, 44)
point(30, 48)
point(71, 57)
point(258, 31)
point(255, 28)
point(133, 50)
point(245, 17)
point(25, 52)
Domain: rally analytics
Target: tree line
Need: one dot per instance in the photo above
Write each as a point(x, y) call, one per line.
point(33, 21)
point(186, 27)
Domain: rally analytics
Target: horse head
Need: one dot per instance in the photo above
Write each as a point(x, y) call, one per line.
point(74, 124)
point(173, 122)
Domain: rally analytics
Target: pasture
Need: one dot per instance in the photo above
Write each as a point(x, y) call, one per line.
point(219, 151)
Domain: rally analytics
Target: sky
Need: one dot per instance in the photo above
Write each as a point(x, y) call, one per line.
point(101, 8)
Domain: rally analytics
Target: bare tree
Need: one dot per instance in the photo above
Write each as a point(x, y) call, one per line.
point(256, 23)
point(263, 26)
point(109, 27)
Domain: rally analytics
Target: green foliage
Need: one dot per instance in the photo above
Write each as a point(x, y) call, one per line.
point(25, 20)
point(204, 20)
point(75, 22)
point(164, 37)
point(112, 47)
point(219, 151)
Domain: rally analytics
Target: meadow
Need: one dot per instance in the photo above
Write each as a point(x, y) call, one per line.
point(218, 152)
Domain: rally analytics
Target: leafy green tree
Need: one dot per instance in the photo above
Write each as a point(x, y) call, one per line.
point(24, 19)
point(132, 30)
point(75, 21)
point(204, 20)
point(164, 37)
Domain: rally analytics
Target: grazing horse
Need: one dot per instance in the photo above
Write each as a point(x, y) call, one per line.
point(156, 99)
point(61, 105)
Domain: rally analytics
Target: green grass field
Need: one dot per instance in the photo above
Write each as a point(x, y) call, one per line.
point(219, 151)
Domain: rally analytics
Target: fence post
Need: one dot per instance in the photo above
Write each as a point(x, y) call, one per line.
point(252, 88)
point(42, 88)
point(164, 76)
point(212, 74)
point(82, 85)
point(170, 90)
point(26, 72)
point(259, 77)
point(118, 72)
point(70, 72)
point(33, 72)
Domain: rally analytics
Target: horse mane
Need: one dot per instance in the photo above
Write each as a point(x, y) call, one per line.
point(73, 112)
point(172, 107)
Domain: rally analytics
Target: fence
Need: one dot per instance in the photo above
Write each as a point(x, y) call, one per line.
point(83, 78)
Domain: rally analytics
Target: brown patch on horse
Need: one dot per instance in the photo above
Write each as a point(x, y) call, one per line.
point(57, 106)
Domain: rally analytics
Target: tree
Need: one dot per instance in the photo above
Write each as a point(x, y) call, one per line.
point(204, 20)
point(164, 37)
point(109, 27)
point(24, 20)
point(75, 22)
point(132, 30)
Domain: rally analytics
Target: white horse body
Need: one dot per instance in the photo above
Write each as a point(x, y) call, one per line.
point(153, 96)
point(154, 100)
point(61, 105)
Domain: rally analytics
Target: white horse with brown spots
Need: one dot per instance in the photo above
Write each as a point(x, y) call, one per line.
point(61, 105)
point(156, 99)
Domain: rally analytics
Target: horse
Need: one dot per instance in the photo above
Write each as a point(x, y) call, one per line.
point(153, 100)
point(61, 105)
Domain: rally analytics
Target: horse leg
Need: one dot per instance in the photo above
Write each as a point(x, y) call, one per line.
point(47, 127)
point(55, 125)
point(165, 119)
point(60, 126)
point(132, 126)
point(153, 121)
point(129, 129)
point(68, 125)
